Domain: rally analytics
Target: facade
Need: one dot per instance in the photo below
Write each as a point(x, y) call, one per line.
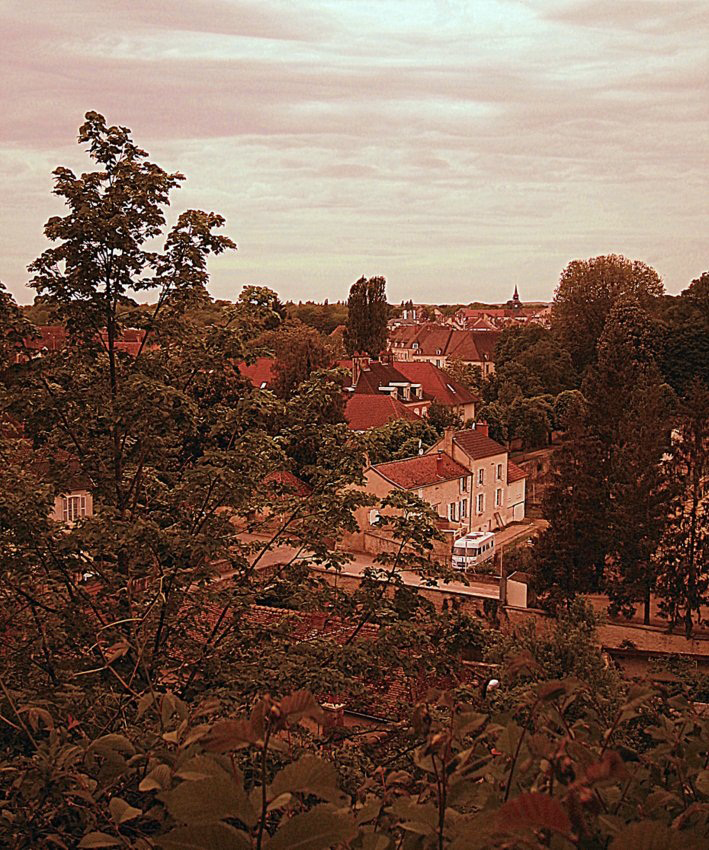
point(497, 494)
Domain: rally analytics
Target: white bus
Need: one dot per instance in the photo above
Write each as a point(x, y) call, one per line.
point(473, 549)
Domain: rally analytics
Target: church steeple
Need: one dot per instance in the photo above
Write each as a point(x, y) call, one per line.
point(515, 300)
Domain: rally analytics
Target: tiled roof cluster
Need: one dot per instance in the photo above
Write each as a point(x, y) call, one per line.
point(431, 340)
point(514, 472)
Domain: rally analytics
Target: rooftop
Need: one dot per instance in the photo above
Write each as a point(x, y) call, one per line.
point(422, 471)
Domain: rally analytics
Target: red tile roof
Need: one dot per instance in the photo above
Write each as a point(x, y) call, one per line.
point(431, 339)
point(371, 411)
point(261, 372)
point(282, 482)
point(422, 471)
point(477, 445)
point(514, 472)
point(436, 383)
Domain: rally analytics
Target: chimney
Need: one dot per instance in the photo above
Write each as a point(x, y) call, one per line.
point(439, 462)
point(483, 428)
point(360, 363)
point(385, 358)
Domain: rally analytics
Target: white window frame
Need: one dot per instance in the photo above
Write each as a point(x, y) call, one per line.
point(464, 484)
point(452, 511)
point(499, 472)
point(73, 507)
point(481, 475)
point(481, 503)
point(463, 508)
point(498, 497)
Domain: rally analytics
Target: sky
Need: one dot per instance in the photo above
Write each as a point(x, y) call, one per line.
point(457, 148)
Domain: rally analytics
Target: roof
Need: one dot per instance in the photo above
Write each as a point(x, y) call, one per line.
point(376, 375)
point(364, 411)
point(476, 444)
point(421, 471)
point(431, 340)
point(261, 372)
point(281, 482)
point(436, 383)
point(514, 472)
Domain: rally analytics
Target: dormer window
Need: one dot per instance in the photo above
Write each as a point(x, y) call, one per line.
point(438, 351)
point(415, 345)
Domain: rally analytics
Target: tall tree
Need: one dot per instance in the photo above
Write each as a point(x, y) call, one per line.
point(682, 556)
point(300, 350)
point(586, 293)
point(629, 413)
point(368, 311)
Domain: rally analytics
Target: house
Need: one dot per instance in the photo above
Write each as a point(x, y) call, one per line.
point(440, 387)
point(439, 344)
point(52, 338)
point(435, 478)
point(261, 372)
point(372, 410)
point(411, 386)
point(497, 494)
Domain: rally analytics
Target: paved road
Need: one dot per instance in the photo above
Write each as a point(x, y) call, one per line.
point(359, 562)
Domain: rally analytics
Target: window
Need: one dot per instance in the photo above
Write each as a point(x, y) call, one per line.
point(481, 476)
point(499, 472)
point(452, 512)
point(498, 497)
point(415, 345)
point(73, 507)
point(463, 485)
point(463, 508)
point(481, 503)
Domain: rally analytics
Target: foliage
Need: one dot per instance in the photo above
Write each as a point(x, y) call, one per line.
point(467, 374)
point(398, 439)
point(367, 314)
point(323, 317)
point(442, 417)
point(587, 291)
point(682, 556)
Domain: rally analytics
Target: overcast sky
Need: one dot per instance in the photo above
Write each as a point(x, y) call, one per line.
point(457, 148)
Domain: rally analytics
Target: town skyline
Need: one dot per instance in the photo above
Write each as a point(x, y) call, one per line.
point(454, 148)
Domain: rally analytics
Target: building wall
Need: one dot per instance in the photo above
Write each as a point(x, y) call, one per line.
point(515, 505)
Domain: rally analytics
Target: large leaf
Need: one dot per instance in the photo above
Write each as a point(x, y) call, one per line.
point(533, 811)
point(209, 800)
point(214, 836)
point(98, 839)
point(122, 812)
point(319, 829)
point(310, 775)
point(301, 704)
point(652, 835)
point(230, 735)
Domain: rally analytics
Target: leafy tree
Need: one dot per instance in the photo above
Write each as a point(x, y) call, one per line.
point(442, 417)
point(300, 351)
point(535, 349)
point(367, 314)
point(586, 293)
point(683, 553)
point(467, 374)
point(398, 439)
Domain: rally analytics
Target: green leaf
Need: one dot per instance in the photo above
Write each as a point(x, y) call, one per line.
point(319, 829)
point(230, 735)
point(121, 812)
point(215, 836)
point(209, 800)
point(157, 780)
point(652, 835)
point(533, 811)
point(301, 704)
point(702, 782)
point(98, 839)
point(375, 841)
point(311, 775)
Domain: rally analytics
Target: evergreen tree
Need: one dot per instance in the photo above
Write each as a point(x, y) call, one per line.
point(367, 315)
point(628, 413)
point(682, 556)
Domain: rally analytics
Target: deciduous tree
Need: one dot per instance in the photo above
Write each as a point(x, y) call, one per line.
point(367, 314)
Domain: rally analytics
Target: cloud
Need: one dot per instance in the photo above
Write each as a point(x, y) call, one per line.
point(482, 144)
